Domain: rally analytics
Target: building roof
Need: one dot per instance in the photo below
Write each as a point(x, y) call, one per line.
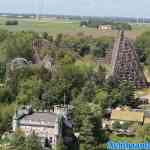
point(146, 120)
point(47, 118)
point(126, 115)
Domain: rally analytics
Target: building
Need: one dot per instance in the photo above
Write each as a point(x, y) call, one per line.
point(46, 125)
point(104, 27)
point(147, 118)
point(125, 115)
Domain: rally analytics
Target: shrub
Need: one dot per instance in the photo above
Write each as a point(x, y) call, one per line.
point(125, 126)
point(11, 22)
point(116, 125)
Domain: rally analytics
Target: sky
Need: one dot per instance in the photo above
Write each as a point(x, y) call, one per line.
point(123, 8)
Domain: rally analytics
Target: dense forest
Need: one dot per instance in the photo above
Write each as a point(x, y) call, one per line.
point(73, 73)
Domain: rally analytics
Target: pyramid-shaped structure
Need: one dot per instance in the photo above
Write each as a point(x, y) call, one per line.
point(126, 64)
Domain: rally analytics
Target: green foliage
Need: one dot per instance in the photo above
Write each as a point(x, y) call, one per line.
point(19, 45)
point(87, 119)
point(60, 145)
point(20, 142)
point(122, 26)
point(5, 95)
point(33, 143)
point(6, 114)
point(144, 132)
point(67, 59)
point(29, 92)
point(101, 98)
point(125, 126)
point(3, 34)
point(120, 94)
point(94, 23)
point(101, 45)
point(88, 92)
point(100, 76)
point(11, 22)
point(70, 78)
point(116, 125)
point(45, 35)
point(142, 44)
point(86, 135)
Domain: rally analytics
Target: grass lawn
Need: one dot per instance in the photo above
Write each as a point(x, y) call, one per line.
point(116, 138)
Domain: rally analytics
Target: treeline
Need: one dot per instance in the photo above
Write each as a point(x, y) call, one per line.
point(11, 22)
point(95, 23)
point(142, 45)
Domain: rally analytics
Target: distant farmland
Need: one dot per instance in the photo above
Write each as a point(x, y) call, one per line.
point(54, 27)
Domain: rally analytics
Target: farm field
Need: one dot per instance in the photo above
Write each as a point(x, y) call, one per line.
point(55, 27)
point(137, 30)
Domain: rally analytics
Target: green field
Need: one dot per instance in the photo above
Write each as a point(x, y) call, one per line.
point(54, 27)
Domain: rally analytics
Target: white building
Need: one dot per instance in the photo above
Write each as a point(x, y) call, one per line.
point(46, 125)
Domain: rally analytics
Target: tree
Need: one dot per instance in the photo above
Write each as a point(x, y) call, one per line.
point(19, 45)
point(142, 45)
point(84, 50)
point(101, 98)
point(127, 92)
point(11, 22)
point(100, 76)
point(6, 114)
point(45, 35)
point(6, 95)
point(121, 94)
point(88, 92)
point(21, 142)
point(58, 40)
point(60, 145)
point(33, 142)
point(143, 132)
point(3, 34)
point(116, 125)
point(18, 140)
point(79, 113)
point(86, 135)
point(29, 92)
point(101, 45)
point(67, 59)
point(125, 126)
